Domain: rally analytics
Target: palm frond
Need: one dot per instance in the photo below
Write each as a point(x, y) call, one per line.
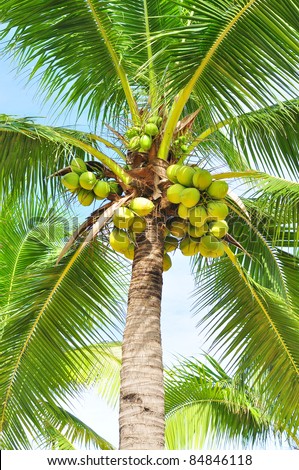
point(65, 431)
point(205, 407)
point(253, 326)
point(101, 370)
point(48, 312)
point(31, 152)
point(235, 56)
point(75, 47)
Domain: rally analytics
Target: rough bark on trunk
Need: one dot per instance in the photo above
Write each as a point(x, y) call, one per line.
point(141, 417)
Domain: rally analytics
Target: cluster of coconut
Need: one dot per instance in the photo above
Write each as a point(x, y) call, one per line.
point(128, 221)
point(200, 223)
point(141, 138)
point(88, 185)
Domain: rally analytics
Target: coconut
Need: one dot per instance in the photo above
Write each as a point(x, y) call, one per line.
point(177, 226)
point(132, 132)
point(190, 197)
point(167, 263)
point(197, 232)
point(134, 143)
point(202, 179)
point(170, 244)
point(71, 181)
point(215, 253)
point(217, 209)
point(101, 189)
point(172, 171)
point(78, 165)
point(185, 175)
point(141, 206)
point(189, 247)
point(123, 217)
point(218, 189)
point(87, 180)
point(145, 142)
point(130, 251)
point(198, 216)
point(85, 197)
point(183, 211)
point(138, 225)
point(154, 119)
point(219, 228)
point(119, 240)
point(151, 129)
point(174, 193)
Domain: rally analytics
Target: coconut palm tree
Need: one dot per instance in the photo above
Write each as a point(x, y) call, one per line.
point(219, 81)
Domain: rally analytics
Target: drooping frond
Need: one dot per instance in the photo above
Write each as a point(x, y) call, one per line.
point(205, 407)
point(76, 47)
point(31, 152)
point(64, 431)
point(46, 313)
point(101, 369)
point(265, 139)
point(255, 329)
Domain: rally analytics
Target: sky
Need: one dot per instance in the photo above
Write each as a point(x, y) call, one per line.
point(180, 337)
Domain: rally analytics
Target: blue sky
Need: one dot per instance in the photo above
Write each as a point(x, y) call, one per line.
point(179, 334)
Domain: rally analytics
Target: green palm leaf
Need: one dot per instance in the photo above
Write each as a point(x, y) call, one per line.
point(63, 431)
point(255, 327)
point(48, 41)
point(205, 407)
point(31, 152)
point(47, 312)
point(265, 139)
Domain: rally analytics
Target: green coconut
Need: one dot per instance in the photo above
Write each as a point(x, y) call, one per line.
point(189, 247)
point(71, 181)
point(87, 180)
point(197, 232)
point(145, 142)
point(174, 193)
point(123, 217)
point(198, 216)
point(218, 189)
point(132, 132)
point(217, 209)
point(78, 165)
point(134, 143)
point(154, 119)
point(85, 197)
point(172, 171)
point(185, 175)
point(202, 179)
point(130, 251)
point(177, 227)
point(219, 228)
point(167, 263)
point(119, 240)
point(138, 225)
point(151, 129)
point(141, 206)
point(183, 211)
point(190, 197)
point(208, 253)
point(170, 244)
point(101, 189)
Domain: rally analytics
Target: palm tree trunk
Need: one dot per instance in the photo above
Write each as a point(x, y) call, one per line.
point(142, 393)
